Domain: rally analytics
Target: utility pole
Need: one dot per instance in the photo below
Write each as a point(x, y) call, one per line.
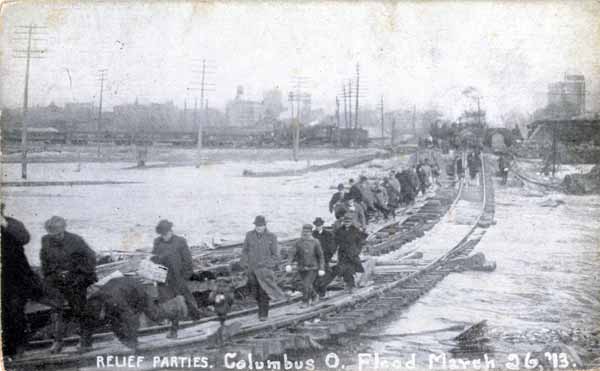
point(337, 112)
point(298, 96)
point(414, 121)
point(99, 126)
point(554, 127)
point(28, 54)
point(357, 93)
point(350, 103)
point(345, 106)
point(393, 131)
point(382, 123)
point(478, 112)
point(204, 87)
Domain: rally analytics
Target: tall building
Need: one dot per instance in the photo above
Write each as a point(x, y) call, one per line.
point(571, 90)
point(243, 112)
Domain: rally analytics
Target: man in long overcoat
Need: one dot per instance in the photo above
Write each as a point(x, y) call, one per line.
point(260, 257)
point(349, 241)
point(19, 283)
point(329, 249)
point(337, 197)
point(69, 268)
point(173, 252)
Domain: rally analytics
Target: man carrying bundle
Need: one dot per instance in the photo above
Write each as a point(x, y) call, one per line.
point(173, 252)
point(119, 302)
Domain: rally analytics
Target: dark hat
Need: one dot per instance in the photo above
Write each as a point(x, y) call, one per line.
point(307, 227)
point(260, 220)
point(55, 225)
point(363, 177)
point(318, 221)
point(340, 186)
point(164, 226)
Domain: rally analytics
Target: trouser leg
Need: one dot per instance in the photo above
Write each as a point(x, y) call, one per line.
point(125, 326)
point(348, 276)
point(13, 325)
point(308, 280)
point(262, 298)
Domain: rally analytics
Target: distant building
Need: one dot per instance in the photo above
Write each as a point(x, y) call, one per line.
point(243, 112)
point(570, 90)
point(142, 117)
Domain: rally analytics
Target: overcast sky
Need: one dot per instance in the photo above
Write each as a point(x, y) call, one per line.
point(411, 53)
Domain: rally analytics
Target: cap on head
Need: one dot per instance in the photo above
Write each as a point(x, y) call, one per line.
point(340, 186)
point(260, 221)
point(318, 221)
point(55, 225)
point(307, 227)
point(363, 178)
point(164, 226)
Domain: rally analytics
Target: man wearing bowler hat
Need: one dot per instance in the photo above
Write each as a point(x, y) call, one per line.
point(329, 248)
point(69, 268)
point(260, 256)
point(173, 252)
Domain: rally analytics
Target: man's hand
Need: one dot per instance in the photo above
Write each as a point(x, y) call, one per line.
point(3, 222)
point(288, 268)
point(321, 273)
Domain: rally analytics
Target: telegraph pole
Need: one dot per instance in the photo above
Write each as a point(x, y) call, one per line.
point(299, 96)
point(99, 127)
point(393, 132)
point(337, 112)
point(357, 93)
point(382, 123)
point(350, 103)
point(30, 53)
point(345, 106)
point(204, 87)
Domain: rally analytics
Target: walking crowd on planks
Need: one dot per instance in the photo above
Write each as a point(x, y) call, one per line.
point(68, 281)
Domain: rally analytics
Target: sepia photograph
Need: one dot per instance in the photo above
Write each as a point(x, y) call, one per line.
point(300, 185)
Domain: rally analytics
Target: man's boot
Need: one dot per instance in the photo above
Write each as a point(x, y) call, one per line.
point(173, 330)
point(59, 331)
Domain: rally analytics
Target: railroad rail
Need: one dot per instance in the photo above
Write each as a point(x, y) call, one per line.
point(405, 267)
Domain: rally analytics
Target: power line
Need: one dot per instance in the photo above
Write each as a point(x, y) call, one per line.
point(27, 55)
point(204, 87)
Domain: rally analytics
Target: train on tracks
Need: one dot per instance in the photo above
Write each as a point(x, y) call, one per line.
point(212, 136)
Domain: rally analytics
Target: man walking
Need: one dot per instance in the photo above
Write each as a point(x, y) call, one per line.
point(260, 256)
point(349, 240)
point(173, 252)
point(69, 268)
point(329, 249)
point(309, 256)
point(19, 283)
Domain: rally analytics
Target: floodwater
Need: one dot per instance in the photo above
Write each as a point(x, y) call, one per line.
point(545, 290)
point(213, 203)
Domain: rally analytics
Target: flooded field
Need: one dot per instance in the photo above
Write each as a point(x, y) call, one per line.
point(213, 203)
point(545, 290)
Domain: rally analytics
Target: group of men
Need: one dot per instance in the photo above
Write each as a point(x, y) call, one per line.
point(68, 269)
point(365, 200)
point(68, 266)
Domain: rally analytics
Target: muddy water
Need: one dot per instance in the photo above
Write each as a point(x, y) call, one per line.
point(545, 290)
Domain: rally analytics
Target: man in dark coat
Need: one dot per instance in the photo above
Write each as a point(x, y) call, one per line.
point(337, 197)
point(69, 268)
point(260, 257)
point(173, 252)
point(329, 249)
point(119, 302)
point(19, 283)
point(460, 170)
point(307, 253)
point(349, 241)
